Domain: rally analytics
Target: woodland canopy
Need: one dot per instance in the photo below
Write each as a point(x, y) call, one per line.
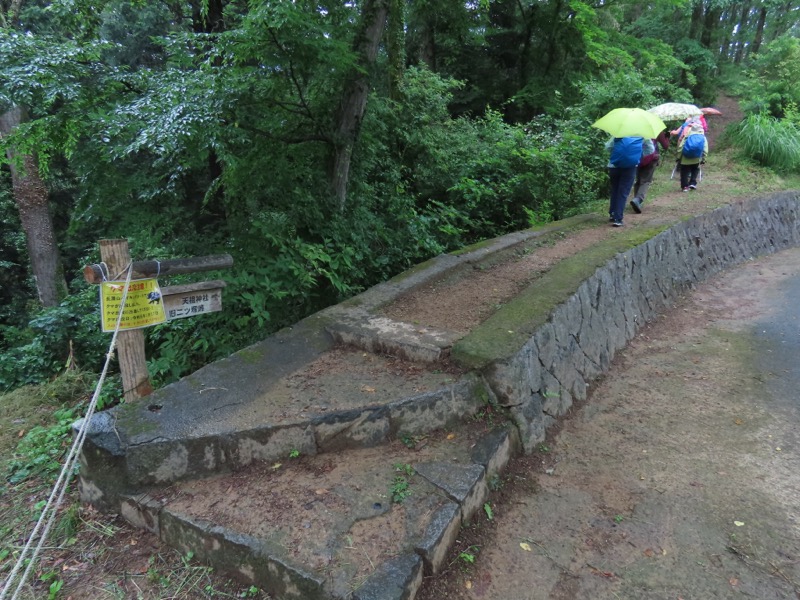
point(326, 146)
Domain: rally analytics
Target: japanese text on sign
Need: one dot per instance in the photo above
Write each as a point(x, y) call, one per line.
point(189, 303)
point(143, 304)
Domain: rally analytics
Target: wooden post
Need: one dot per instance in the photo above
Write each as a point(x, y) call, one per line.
point(130, 344)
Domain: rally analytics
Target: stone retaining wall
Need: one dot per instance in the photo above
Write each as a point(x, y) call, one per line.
point(539, 383)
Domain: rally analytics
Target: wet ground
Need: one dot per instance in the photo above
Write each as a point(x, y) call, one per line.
point(679, 478)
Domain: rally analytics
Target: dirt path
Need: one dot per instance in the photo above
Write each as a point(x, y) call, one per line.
point(461, 305)
point(678, 478)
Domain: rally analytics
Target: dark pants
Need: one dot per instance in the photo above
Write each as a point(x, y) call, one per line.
point(644, 177)
point(621, 184)
point(689, 175)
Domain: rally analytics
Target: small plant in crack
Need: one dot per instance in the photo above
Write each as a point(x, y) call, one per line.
point(467, 556)
point(409, 441)
point(400, 488)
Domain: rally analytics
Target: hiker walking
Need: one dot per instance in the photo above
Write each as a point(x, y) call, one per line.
point(647, 167)
point(692, 152)
point(626, 152)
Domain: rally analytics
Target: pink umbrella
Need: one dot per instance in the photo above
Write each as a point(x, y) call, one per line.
point(710, 111)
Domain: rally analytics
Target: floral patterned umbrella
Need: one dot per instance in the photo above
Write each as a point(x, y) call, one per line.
point(675, 111)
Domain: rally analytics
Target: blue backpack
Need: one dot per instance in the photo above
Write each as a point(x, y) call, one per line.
point(694, 145)
point(626, 152)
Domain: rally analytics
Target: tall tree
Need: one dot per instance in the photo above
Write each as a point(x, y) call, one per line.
point(741, 32)
point(759, 36)
point(354, 97)
point(30, 192)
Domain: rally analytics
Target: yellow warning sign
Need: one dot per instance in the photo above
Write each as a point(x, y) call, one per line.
point(143, 304)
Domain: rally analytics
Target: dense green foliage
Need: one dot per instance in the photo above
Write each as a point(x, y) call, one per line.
point(214, 126)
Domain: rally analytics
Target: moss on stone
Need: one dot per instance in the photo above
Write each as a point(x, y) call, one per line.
point(131, 419)
point(505, 332)
point(250, 356)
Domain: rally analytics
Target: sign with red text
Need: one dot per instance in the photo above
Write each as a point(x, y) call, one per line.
point(143, 304)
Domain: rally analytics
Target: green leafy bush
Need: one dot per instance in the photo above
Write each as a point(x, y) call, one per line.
point(771, 85)
point(35, 353)
point(40, 452)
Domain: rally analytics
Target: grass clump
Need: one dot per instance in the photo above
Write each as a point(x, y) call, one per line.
point(774, 143)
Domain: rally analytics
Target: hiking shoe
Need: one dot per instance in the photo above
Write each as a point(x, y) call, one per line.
point(686, 189)
point(692, 187)
point(636, 205)
point(617, 224)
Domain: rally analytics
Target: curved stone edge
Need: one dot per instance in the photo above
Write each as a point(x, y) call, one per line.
point(576, 344)
point(539, 379)
point(363, 304)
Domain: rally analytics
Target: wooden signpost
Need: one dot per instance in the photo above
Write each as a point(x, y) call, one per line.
point(146, 304)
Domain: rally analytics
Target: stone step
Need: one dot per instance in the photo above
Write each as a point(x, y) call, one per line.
point(297, 392)
point(364, 523)
point(344, 398)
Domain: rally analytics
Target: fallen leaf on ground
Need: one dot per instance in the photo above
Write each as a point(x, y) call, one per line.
point(367, 388)
point(276, 466)
point(738, 523)
point(525, 546)
point(649, 552)
point(468, 585)
point(450, 436)
point(733, 581)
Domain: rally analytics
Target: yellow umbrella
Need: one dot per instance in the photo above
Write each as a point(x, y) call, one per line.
point(630, 122)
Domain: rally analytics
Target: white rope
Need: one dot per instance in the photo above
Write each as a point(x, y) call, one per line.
point(66, 471)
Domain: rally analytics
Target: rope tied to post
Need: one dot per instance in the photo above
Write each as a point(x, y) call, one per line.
point(57, 495)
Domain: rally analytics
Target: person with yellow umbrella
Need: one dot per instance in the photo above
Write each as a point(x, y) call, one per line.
point(631, 129)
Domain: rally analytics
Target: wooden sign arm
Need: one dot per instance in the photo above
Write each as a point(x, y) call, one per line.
point(146, 269)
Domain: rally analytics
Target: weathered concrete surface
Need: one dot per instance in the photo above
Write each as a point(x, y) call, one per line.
point(680, 478)
point(535, 357)
point(322, 524)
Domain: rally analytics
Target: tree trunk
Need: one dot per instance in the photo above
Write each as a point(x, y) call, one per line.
point(696, 25)
point(209, 20)
point(354, 97)
point(727, 19)
point(785, 20)
point(710, 26)
point(31, 198)
point(762, 18)
point(395, 47)
point(741, 33)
